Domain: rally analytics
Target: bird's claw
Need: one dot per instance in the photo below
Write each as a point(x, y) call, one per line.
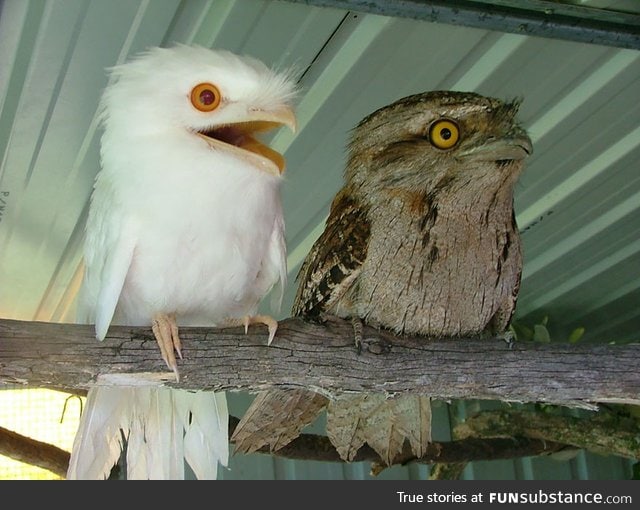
point(356, 323)
point(270, 322)
point(510, 338)
point(165, 330)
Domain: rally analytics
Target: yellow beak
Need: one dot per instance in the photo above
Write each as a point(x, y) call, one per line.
point(238, 138)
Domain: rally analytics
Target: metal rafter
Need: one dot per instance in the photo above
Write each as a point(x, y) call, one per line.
point(527, 17)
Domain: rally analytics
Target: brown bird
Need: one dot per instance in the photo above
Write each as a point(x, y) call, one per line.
point(421, 240)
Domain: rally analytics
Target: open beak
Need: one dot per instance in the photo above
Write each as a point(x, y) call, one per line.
point(240, 139)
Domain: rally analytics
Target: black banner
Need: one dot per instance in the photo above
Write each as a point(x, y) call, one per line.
point(330, 495)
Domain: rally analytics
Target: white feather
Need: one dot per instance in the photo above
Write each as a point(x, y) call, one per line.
point(99, 437)
point(175, 227)
point(206, 440)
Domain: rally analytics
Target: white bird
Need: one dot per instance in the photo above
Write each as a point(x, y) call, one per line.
point(185, 226)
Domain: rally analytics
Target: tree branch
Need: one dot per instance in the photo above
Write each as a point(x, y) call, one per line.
point(322, 357)
point(308, 447)
point(605, 433)
point(317, 447)
point(35, 453)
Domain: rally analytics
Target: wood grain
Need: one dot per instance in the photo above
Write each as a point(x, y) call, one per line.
point(322, 357)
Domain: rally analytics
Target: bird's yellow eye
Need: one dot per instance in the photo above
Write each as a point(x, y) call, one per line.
point(444, 134)
point(205, 97)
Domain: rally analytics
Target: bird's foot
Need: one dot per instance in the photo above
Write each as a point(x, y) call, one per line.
point(270, 322)
point(165, 330)
point(356, 323)
point(509, 337)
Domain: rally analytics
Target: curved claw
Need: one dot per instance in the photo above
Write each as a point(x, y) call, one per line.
point(509, 337)
point(270, 322)
point(272, 331)
point(165, 330)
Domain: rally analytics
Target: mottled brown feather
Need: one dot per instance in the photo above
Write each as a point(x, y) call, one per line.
point(335, 258)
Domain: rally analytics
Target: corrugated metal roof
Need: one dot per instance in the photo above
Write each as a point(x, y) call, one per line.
point(577, 203)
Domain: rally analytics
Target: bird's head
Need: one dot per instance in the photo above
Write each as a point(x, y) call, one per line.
point(217, 99)
point(437, 140)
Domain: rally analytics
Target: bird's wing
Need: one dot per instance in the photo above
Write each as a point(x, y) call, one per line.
point(329, 270)
point(336, 258)
point(276, 261)
point(109, 249)
point(511, 266)
point(114, 273)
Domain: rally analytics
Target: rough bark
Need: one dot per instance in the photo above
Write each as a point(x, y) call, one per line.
point(36, 453)
point(605, 433)
point(609, 432)
point(322, 357)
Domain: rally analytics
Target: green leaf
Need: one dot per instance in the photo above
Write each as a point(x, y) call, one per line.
point(522, 332)
point(576, 335)
point(541, 334)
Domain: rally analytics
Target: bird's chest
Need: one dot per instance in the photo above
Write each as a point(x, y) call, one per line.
point(444, 277)
point(199, 258)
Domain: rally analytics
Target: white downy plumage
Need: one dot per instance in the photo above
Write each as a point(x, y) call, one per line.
point(185, 221)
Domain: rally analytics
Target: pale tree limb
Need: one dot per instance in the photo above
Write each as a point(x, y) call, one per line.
point(321, 357)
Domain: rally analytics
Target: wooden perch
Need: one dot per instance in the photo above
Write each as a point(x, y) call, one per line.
point(322, 357)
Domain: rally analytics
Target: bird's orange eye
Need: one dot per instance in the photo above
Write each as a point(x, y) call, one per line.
point(444, 134)
point(205, 97)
